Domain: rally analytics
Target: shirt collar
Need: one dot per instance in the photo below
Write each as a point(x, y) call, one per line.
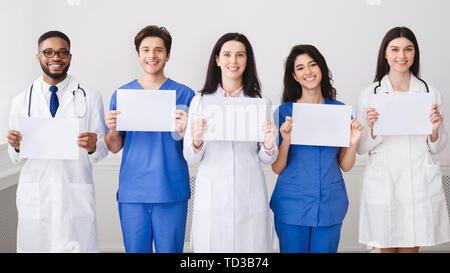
point(61, 85)
point(234, 94)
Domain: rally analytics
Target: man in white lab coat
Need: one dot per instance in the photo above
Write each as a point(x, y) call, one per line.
point(55, 198)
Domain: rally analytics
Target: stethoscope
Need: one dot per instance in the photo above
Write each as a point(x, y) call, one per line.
point(379, 84)
point(80, 104)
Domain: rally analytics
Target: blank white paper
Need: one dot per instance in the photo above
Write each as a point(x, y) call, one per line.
point(321, 124)
point(235, 119)
point(49, 138)
point(402, 114)
point(146, 110)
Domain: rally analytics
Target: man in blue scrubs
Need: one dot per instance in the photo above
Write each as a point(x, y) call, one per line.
point(154, 178)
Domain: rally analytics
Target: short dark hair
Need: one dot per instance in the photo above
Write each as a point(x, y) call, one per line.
point(292, 90)
point(250, 81)
point(53, 33)
point(382, 64)
point(154, 31)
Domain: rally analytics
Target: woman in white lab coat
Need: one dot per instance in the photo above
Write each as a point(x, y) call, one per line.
point(231, 209)
point(402, 201)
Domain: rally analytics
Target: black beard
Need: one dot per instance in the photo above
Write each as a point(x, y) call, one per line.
point(55, 76)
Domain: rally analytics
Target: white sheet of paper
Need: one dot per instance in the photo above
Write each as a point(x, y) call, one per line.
point(402, 114)
point(49, 138)
point(146, 110)
point(235, 119)
point(321, 124)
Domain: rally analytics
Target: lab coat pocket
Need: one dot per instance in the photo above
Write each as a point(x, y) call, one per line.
point(375, 186)
point(433, 180)
point(82, 200)
point(28, 201)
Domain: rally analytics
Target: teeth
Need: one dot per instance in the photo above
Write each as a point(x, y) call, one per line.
point(151, 62)
point(309, 79)
point(233, 68)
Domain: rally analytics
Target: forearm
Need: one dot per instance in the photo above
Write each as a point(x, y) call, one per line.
point(434, 136)
point(281, 161)
point(114, 141)
point(438, 143)
point(347, 158)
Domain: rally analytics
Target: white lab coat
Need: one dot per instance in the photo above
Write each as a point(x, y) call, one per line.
point(55, 198)
point(402, 199)
point(231, 208)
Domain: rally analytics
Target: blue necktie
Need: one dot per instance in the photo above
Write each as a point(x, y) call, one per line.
point(54, 103)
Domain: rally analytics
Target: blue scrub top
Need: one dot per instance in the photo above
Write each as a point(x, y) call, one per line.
point(153, 169)
point(310, 191)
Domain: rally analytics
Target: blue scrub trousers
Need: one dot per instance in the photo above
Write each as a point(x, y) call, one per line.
point(304, 239)
point(163, 223)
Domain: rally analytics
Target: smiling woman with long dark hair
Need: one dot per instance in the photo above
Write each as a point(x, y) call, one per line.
point(231, 210)
point(309, 200)
point(403, 205)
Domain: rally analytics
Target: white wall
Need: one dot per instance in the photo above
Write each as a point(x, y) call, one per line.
point(347, 32)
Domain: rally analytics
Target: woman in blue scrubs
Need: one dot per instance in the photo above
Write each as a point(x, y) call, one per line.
point(309, 200)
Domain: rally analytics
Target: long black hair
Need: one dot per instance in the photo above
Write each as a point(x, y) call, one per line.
point(382, 64)
point(292, 90)
point(250, 81)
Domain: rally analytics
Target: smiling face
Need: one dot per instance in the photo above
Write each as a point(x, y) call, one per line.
point(232, 60)
point(400, 55)
point(55, 67)
point(153, 55)
point(307, 72)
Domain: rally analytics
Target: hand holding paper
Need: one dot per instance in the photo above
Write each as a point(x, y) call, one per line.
point(14, 138)
point(435, 118)
point(88, 141)
point(436, 121)
point(198, 128)
point(286, 129)
point(355, 132)
point(270, 135)
point(111, 119)
point(180, 121)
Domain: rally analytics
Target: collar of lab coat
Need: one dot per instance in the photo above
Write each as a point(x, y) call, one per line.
point(415, 85)
point(38, 96)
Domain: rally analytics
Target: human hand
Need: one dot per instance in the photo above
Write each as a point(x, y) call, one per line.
point(356, 130)
point(270, 135)
point(111, 119)
point(88, 141)
point(198, 128)
point(435, 118)
point(286, 129)
point(371, 118)
point(180, 121)
point(14, 138)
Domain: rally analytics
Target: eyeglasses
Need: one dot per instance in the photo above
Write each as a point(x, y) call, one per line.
point(50, 53)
